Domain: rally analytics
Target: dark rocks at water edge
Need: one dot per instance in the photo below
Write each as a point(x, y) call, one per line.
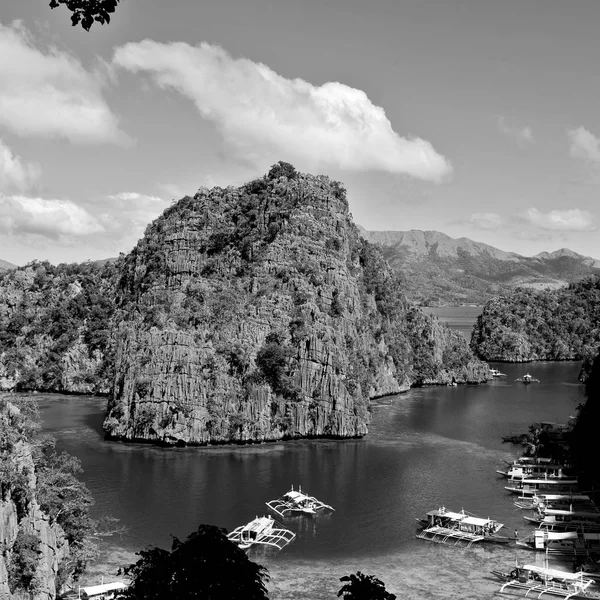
point(526, 325)
point(259, 313)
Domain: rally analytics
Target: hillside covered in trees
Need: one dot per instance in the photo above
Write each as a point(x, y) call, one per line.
point(55, 327)
point(531, 325)
point(45, 525)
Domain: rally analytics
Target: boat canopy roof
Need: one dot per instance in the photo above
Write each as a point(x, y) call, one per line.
point(294, 494)
point(476, 521)
point(553, 573)
point(95, 590)
point(446, 513)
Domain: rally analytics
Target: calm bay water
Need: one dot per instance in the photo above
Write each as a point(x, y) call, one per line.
point(461, 318)
point(426, 448)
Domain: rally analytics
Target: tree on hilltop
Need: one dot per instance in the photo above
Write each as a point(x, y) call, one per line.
point(206, 565)
point(88, 11)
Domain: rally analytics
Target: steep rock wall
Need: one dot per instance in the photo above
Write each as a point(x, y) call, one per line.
point(24, 516)
point(259, 313)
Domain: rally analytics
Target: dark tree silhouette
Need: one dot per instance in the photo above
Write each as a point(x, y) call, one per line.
point(206, 565)
point(364, 587)
point(88, 11)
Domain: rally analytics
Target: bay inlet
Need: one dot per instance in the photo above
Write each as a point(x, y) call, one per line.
point(425, 448)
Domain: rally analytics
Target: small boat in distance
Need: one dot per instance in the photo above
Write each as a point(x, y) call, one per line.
point(496, 373)
point(542, 580)
point(296, 501)
point(527, 378)
point(261, 530)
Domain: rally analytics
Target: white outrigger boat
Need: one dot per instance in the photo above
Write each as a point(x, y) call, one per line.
point(443, 526)
point(544, 469)
point(296, 501)
point(261, 530)
point(571, 519)
point(542, 580)
point(496, 373)
point(555, 501)
point(527, 378)
point(563, 543)
point(531, 486)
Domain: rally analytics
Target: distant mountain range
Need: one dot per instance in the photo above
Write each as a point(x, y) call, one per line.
point(440, 270)
point(6, 266)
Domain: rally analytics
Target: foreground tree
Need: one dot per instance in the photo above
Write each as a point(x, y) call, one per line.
point(364, 587)
point(88, 11)
point(206, 565)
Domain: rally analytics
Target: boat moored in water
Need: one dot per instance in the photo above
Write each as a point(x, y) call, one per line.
point(531, 486)
point(527, 378)
point(459, 528)
point(261, 530)
point(297, 502)
point(543, 580)
point(563, 543)
point(496, 373)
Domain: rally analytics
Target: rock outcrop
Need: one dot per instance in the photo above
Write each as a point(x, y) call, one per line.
point(259, 313)
point(22, 522)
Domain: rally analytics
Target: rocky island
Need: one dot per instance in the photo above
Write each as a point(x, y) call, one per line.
point(528, 325)
point(260, 313)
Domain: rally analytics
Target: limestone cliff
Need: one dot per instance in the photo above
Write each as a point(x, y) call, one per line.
point(31, 547)
point(259, 313)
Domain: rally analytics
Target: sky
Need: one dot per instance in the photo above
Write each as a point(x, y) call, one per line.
point(476, 118)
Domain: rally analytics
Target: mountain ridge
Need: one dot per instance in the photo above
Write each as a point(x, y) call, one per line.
point(441, 270)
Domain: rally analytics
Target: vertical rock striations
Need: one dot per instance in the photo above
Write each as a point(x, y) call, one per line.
point(259, 313)
point(31, 547)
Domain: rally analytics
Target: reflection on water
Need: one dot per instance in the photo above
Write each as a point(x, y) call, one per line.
point(428, 447)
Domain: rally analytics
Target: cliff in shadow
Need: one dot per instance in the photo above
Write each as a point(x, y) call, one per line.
point(259, 313)
point(550, 325)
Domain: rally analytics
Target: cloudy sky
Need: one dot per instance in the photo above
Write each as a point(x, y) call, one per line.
point(477, 118)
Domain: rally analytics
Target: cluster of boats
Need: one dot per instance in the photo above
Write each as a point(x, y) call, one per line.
point(266, 531)
point(527, 378)
point(567, 524)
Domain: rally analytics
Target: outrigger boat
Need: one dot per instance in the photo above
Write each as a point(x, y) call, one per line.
point(555, 501)
point(565, 543)
point(457, 528)
point(261, 530)
point(531, 486)
point(496, 373)
point(545, 469)
point(566, 520)
point(527, 378)
point(296, 501)
point(542, 580)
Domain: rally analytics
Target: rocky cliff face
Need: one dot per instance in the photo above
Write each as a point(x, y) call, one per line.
point(22, 522)
point(259, 313)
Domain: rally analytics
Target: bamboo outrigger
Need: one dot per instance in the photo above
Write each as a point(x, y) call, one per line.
point(261, 530)
point(295, 501)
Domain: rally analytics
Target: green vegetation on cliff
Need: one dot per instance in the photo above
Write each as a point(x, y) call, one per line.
point(258, 313)
point(548, 325)
point(55, 324)
point(43, 506)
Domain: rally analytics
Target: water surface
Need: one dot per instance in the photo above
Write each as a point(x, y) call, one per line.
point(426, 448)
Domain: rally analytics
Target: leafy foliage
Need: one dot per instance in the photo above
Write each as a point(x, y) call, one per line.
point(205, 565)
point(55, 326)
point(23, 563)
point(548, 325)
point(364, 587)
point(88, 11)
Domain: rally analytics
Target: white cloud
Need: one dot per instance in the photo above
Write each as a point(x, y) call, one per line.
point(54, 219)
point(584, 144)
point(46, 92)
point(523, 135)
point(263, 116)
point(15, 174)
point(572, 219)
point(115, 222)
point(489, 221)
